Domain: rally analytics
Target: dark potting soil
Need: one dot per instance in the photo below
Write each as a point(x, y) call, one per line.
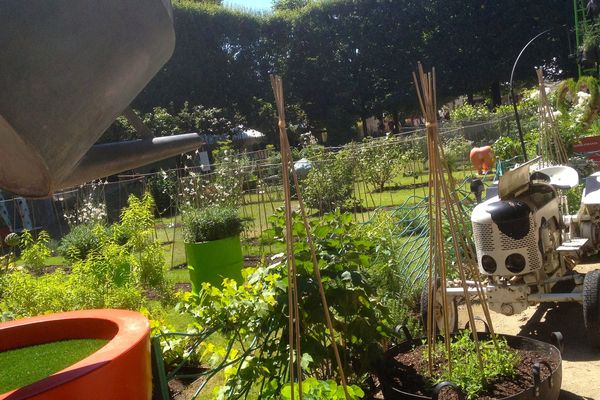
point(407, 372)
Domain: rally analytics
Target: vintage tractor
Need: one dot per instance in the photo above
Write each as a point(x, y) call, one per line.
point(527, 245)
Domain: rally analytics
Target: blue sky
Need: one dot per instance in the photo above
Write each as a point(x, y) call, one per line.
point(259, 5)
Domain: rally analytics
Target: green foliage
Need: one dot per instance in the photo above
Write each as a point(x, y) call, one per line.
point(170, 121)
point(399, 254)
point(211, 223)
point(111, 268)
point(456, 150)
point(506, 148)
point(574, 198)
point(379, 161)
point(163, 188)
point(35, 251)
point(289, 5)
point(314, 389)
point(591, 37)
point(340, 58)
point(137, 222)
point(468, 112)
point(24, 295)
point(329, 183)
point(499, 361)
point(578, 104)
point(78, 243)
point(252, 317)
point(225, 187)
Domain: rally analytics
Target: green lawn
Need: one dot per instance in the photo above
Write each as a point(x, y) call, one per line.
point(24, 366)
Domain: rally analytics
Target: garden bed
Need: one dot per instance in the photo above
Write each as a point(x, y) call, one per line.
point(405, 370)
point(411, 368)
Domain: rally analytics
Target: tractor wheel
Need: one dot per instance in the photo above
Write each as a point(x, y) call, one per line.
point(591, 306)
point(438, 311)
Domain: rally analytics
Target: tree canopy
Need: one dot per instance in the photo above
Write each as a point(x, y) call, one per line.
point(343, 60)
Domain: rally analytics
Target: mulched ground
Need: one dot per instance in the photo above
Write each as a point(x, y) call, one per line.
point(407, 370)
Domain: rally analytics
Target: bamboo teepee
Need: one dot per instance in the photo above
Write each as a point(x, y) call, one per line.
point(444, 206)
point(551, 147)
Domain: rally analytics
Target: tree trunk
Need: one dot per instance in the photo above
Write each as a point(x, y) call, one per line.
point(496, 94)
point(363, 120)
point(396, 122)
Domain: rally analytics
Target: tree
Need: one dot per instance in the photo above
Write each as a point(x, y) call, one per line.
point(345, 60)
point(286, 5)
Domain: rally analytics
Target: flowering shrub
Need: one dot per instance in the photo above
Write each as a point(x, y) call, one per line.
point(225, 186)
point(91, 211)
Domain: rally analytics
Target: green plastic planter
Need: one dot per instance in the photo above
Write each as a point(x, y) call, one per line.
point(212, 261)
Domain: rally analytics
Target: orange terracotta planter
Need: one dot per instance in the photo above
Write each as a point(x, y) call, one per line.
point(119, 370)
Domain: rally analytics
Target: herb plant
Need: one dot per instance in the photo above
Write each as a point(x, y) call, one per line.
point(499, 361)
point(35, 251)
point(211, 223)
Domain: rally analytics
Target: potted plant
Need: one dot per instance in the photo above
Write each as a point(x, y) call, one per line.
point(212, 245)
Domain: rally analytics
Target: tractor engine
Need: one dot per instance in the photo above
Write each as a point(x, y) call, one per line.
point(518, 236)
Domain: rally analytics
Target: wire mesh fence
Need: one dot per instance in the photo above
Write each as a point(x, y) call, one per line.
point(360, 178)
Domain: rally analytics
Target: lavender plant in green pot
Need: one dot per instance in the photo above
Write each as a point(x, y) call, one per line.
point(212, 245)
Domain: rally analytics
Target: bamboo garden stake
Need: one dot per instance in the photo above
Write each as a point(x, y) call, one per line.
point(552, 148)
point(293, 324)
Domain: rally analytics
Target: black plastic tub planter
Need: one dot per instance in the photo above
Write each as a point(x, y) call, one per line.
point(546, 388)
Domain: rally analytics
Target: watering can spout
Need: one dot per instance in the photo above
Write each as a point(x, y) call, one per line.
point(111, 158)
point(69, 68)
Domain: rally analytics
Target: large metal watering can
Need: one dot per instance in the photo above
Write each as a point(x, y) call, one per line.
point(68, 68)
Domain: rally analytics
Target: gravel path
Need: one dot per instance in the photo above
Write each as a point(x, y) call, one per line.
point(581, 362)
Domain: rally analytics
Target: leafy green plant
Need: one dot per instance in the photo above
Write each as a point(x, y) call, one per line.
point(591, 38)
point(163, 188)
point(399, 255)
point(499, 361)
point(34, 251)
point(506, 147)
point(456, 150)
point(111, 270)
point(329, 183)
point(314, 389)
point(379, 161)
point(211, 223)
point(252, 317)
point(79, 243)
point(574, 198)
point(468, 112)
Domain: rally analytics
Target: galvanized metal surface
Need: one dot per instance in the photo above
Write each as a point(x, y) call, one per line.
point(68, 69)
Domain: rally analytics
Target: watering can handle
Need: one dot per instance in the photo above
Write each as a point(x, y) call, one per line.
point(438, 388)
